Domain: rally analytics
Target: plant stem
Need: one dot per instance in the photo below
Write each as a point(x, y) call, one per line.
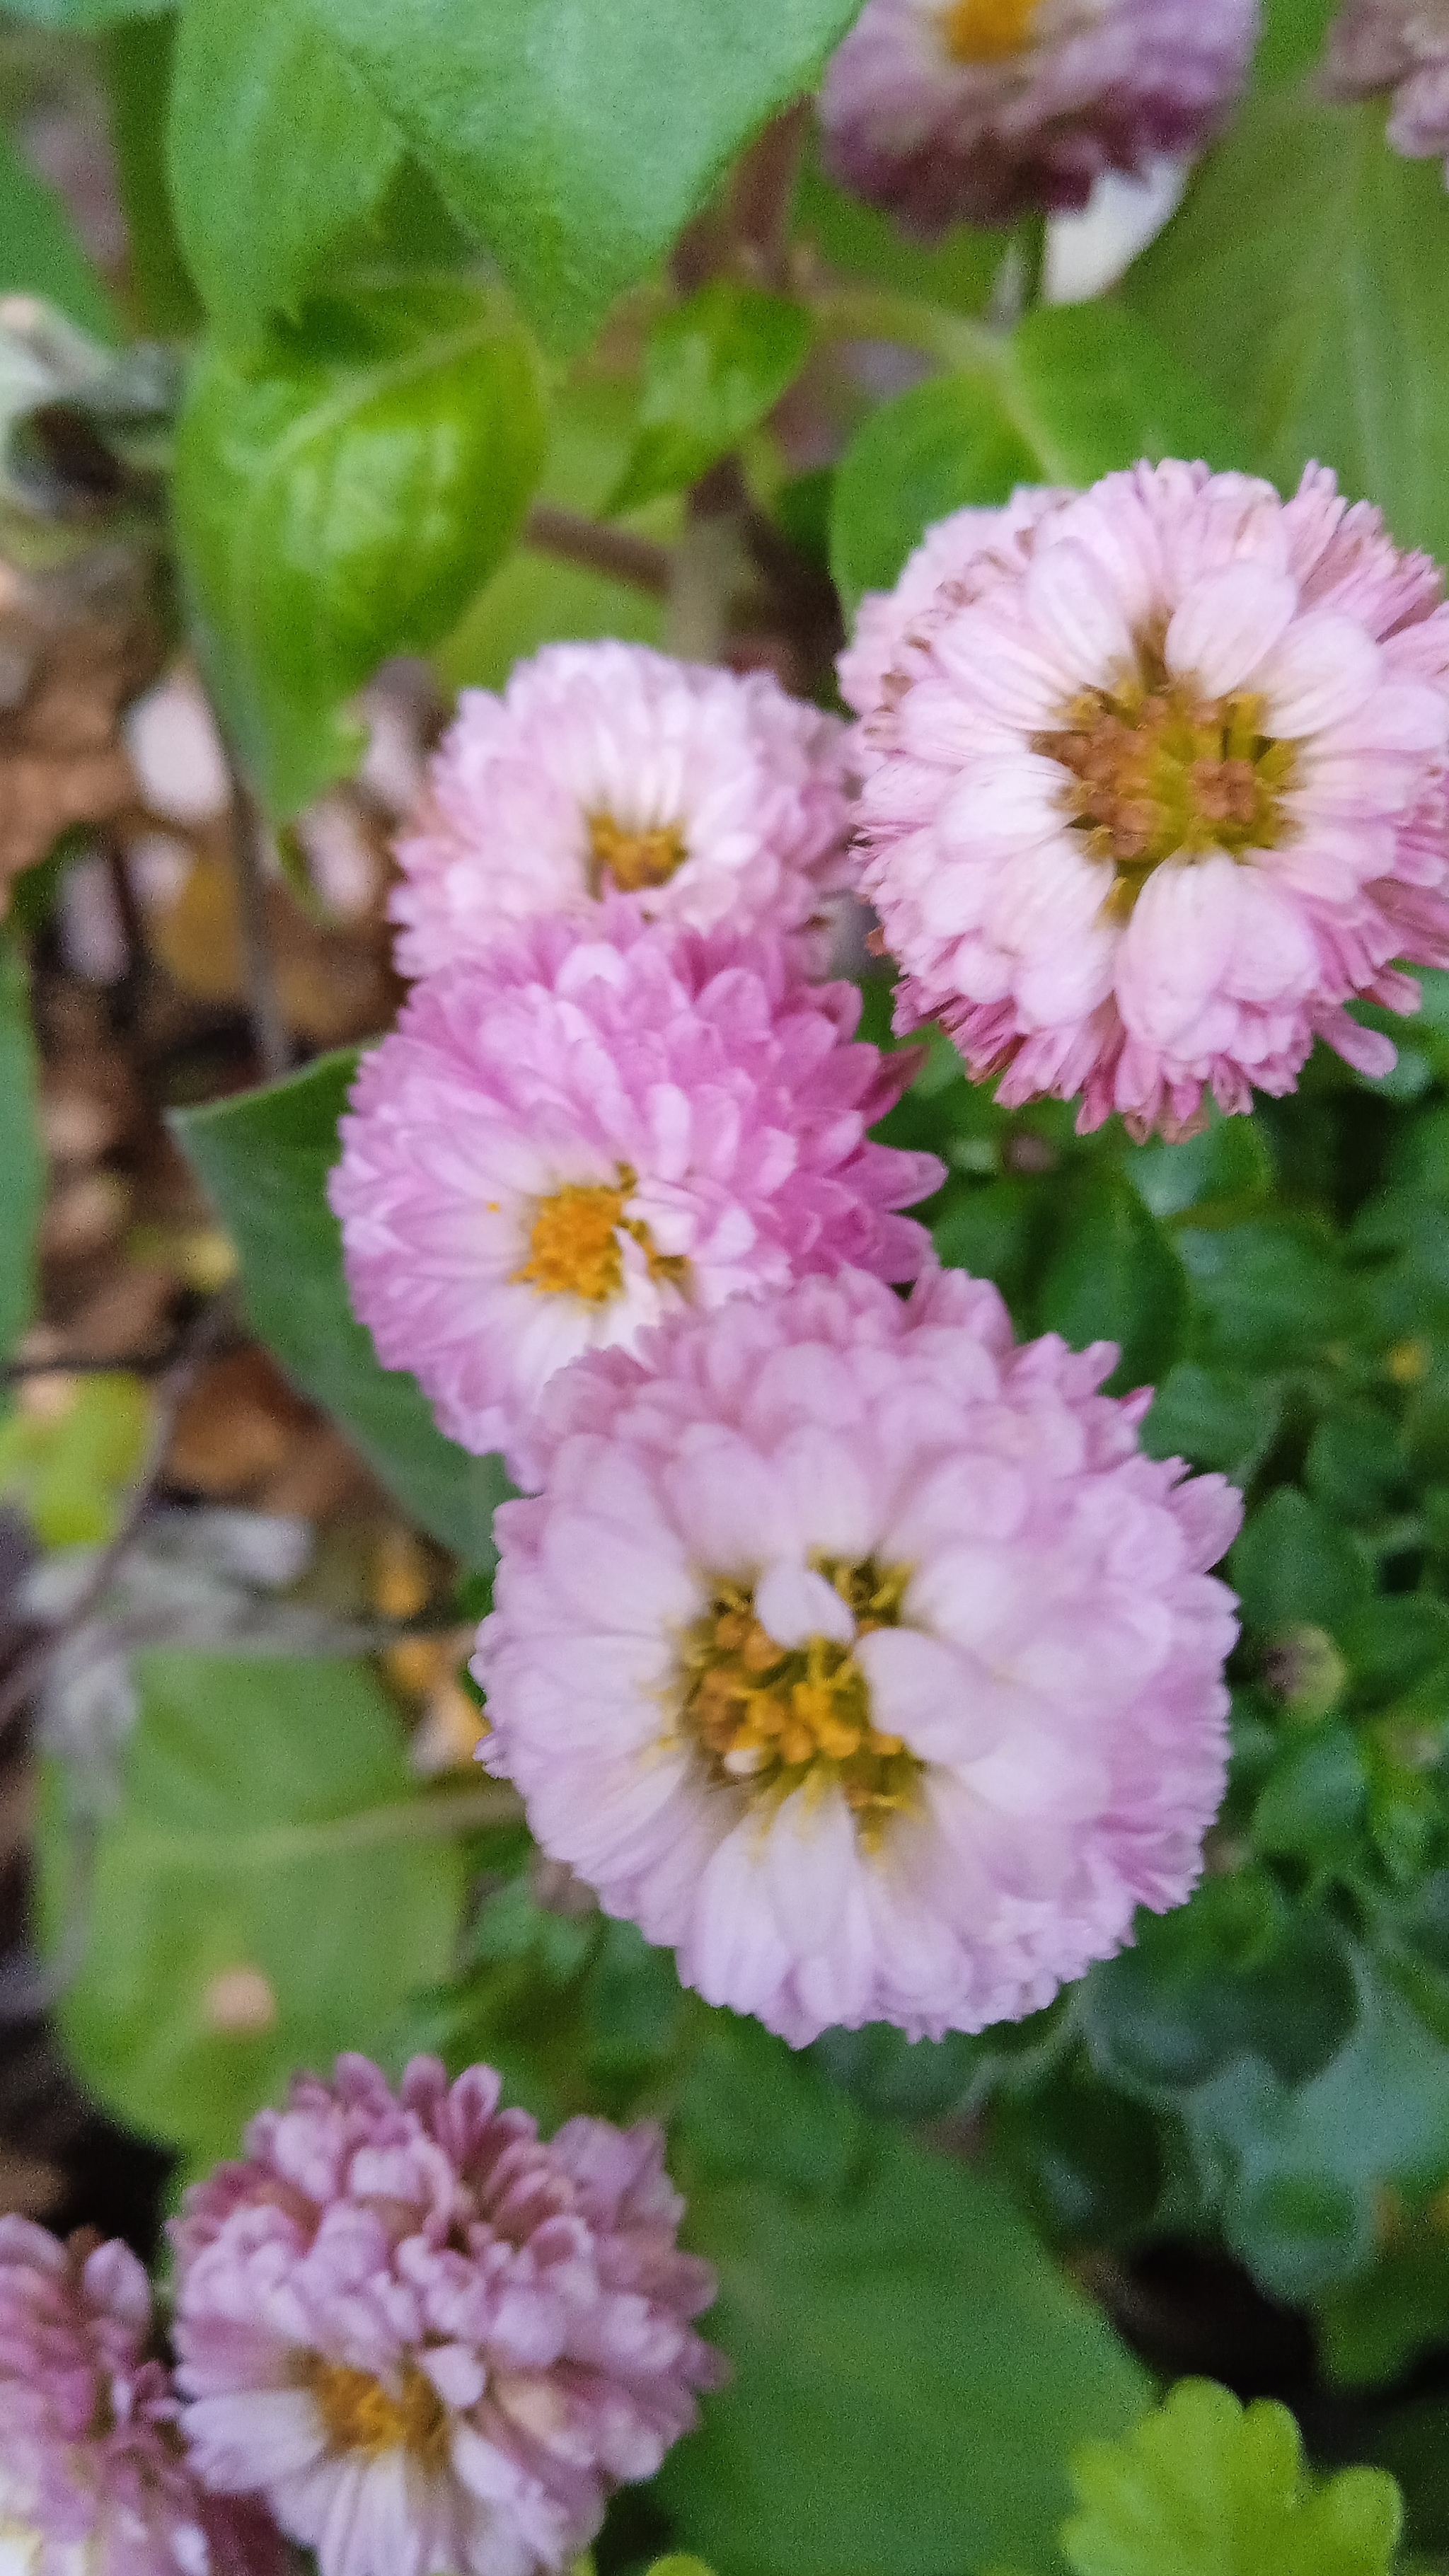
point(270, 1033)
point(877, 313)
point(614, 552)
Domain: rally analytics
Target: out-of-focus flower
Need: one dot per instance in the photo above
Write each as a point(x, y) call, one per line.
point(92, 2478)
point(433, 2343)
point(554, 1150)
point(703, 797)
point(1399, 49)
point(861, 1657)
point(977, 111)
point(1157, 787)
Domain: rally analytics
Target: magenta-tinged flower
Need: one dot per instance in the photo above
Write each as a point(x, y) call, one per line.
point(551, 1152)
point(861, 1657)
point(431, 2342)
point(977, 111)
point(1162, 790)
point(1398, 49)
point(92, 2478)
point(606, 769)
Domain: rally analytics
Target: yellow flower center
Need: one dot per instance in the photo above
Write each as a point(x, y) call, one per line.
point(359, 2414)
point(633, 859)
point(776, 1717)
point(574, 1249)
point(988, 31)
point(1157, 771)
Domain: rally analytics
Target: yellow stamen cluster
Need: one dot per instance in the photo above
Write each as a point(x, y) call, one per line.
point(776, 1717)
point(359, 2414)
point(574, 1249)
point(988, 31)
point(1157, 771)
point(634, 860)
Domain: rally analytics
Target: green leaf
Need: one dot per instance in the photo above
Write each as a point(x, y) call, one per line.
point(577, 139)
point(39, 252)
point(908, 2363)
point(1228, 1164)
point(860, 242)
point(138, 58)
point(1302, 280)
point(1205, 2486)
point(268, 1824)
point(1214, 1418)
point(70, 1468)
point(1292, 1567)
point(340, 495)
point(22, 1164)
point(1313, 1804)
point(1075, 392)
point(1115, 1276)
point(713, 370)
point(81, 17)
point(265, 1159)
point(1267, 1294)
point(260, 88)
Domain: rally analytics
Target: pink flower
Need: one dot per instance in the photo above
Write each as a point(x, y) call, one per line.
point(950, 111)
point(607, 769)
point(861, 1657)
point(952, 558)
point(433, 2343)
point(1158, 787)
point(1398, 48)
point(553, 1151)
point(92, 2479)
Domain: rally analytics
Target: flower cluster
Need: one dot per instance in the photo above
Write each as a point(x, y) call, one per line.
point(432, 2343)
point(950, 111)
point(861, 1656)
point(1397, 49)
point(1154, 787)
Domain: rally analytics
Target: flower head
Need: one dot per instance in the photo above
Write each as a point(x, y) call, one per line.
point(433, 2343)
point(606, 769)
point(553, 1151)
point(861, 1657)
point(953, 558)
point(92, 2479)
point(1400, 49)
point(1158, 787)
point(979, 110)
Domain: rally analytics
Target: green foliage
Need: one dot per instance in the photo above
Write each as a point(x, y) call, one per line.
point(576, 140)
point(1115, 1276)
point(341, 492)
point(39, 253)
point(22, 1165)
point(261, 88)
point(268, 1824)
point(1075, 391)
point(68, 1465)
point(265, 1159)
point(138, 59)
point(1206, 2487)
point(1302, 280)
point(715, 366)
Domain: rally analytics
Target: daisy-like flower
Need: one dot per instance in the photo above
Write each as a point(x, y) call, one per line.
point(953, 558)
point(551, 1152)
point(1397, 49)
point(92, 2478)
point(431, 2342)
point(1158, 787)
point(977, 111)
point(861, 1657)
point(607, 769)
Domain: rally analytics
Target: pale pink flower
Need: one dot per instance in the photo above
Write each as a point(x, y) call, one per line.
point(431, 2342)
point(92, 2477)
point(1161, 790)
point(551, 1152)
point(701, 796)
point(943, 571)
point(861, 1658)
point(977, 111)
point(1398, 49)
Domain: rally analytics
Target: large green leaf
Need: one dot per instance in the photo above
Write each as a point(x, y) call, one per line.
point(1303, 279)
point(265, 1159)
point(268, 1824)
point(715, 366)
point(39, 252)
point(82, 17)
point(577, 139)
point(1074, 392)
point(138, 57)
point(1114, 1275)
point(909, 2365)
point(340, 496)
point(22, 1165)
point(261, 88)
